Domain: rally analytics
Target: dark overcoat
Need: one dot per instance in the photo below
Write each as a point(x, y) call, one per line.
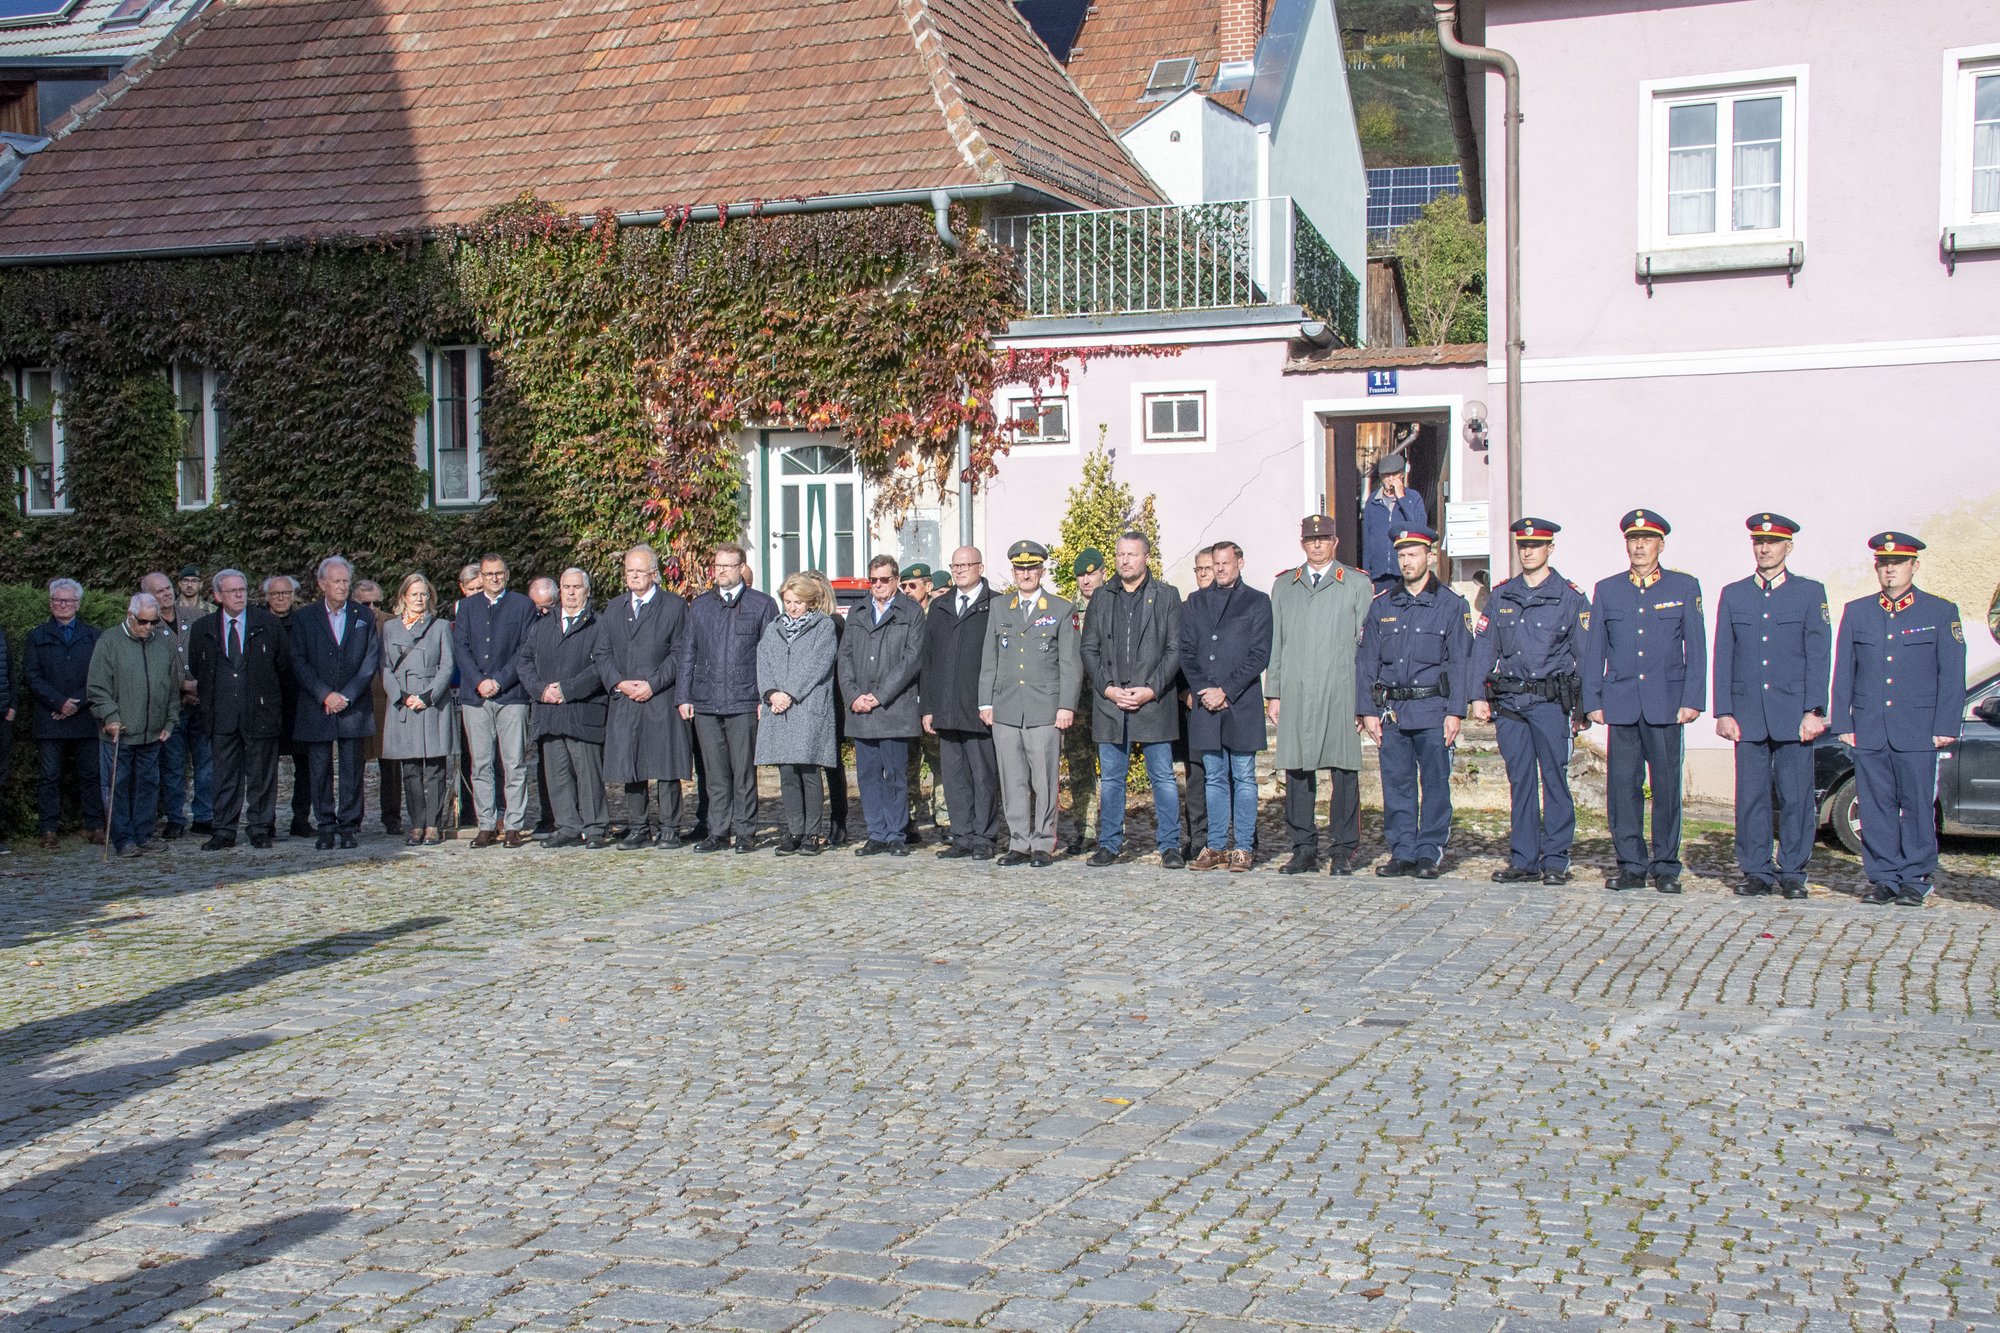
point(54, 671)
point(1132, 646)
point(949, 682)
point(883, 659)
point(643, 741)
point(266, 663)
point(718, 651)
point(551, 657)
point(1226, 641)
point(324, 667)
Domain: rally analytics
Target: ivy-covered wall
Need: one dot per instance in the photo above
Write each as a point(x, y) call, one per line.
point(625, 364)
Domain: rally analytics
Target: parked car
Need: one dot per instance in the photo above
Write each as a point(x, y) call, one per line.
point(1968, 799)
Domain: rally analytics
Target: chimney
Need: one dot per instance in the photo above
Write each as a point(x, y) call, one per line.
point(1242, 25)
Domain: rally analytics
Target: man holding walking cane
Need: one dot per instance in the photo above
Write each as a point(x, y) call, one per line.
point(134, 690)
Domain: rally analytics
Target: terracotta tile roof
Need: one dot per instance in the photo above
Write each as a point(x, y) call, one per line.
point(1121, 41)
point(273, 119)
point(1387, 358)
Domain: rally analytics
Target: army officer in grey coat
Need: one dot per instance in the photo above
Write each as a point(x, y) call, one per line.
point(1029, 674)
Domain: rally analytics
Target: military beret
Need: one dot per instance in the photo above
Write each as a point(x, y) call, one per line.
point(1768, 524)
point(1644, 523)
point(1027, 555)
point(1089, 560)
point(1413, 534)
point(189, 572)
point(920, 570)
point(1318, 525)
point(1534, 529)
point(1894, 544)
point(1391, 464)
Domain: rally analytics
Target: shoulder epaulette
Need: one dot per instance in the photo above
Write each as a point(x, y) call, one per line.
point(1575, 588)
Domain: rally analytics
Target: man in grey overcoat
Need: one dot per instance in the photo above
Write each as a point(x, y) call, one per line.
point(1029, 675)
point(881, 658)
point(645, 738)
point(1316, 615)
point(1132, 658)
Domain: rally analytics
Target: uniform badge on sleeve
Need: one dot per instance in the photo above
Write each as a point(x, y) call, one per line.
point(1824, 614)
point(1583, 619)
point(1477, 626)
point(1958, 631)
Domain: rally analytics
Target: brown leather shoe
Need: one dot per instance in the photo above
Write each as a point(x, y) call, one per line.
point(1210, 859)
point(517, 837)
point(1239, 860)
point(50, 841)
point(95, 837)
point(486, 837)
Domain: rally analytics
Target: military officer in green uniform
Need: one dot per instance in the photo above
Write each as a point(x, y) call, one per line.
point(1079, 751)
point(1030, 672)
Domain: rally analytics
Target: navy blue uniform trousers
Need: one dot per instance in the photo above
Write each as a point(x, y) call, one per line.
point(1642, 753)
point(1416, 793)
point(1536, 748)
point(1768, 771)
point(1898, 809)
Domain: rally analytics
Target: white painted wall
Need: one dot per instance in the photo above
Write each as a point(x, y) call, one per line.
point(1315, 148)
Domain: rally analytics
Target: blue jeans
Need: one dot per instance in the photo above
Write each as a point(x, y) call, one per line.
point(1232, 798)
point(134, 802)
point(183, 742)
point(1113, 761)
point(882, 767)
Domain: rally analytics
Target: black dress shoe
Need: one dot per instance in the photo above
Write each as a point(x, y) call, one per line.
point(172, 832)
point(202, 826)
point(955, 852)
point(984, 851)
point(1074, 847)
point(838, 836)
point(1794, 889)
point(347, 842)
point(1103, 856)
point(260, 840)
point(746, 843)
point(1302, 863)
point(1515, 875)
point(218, 843)
point(301, 829)
point(392, 826)
point(787, 845)
point(1752, 887)
point(597, 842)
point(1171, 859)
point(1021, 859)
point(671, 841)
point(1040, 860)
point(324, 842)
point(1879, 893)
point(1626, 879)
point(1340, 865)
point(912, 837)
point(634, 840)
point(699, 833)
point(811, 847)
point(1430, 869)
point(1395, 868)
point(1667, 883)
point(870, 848)
point(1556, 878)
point(711, 844)
point(565, 840)
point(897, 848)
point(1912, 895)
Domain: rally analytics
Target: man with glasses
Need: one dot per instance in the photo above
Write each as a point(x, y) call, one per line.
point(718, 693)
point(335, 655)
point(188, 746)
point(134, 690)
point(920, 586)
point(954, 636)
point(237, 657)
point(281, 595)
point(645, 737)
point(1194, 792)
point(1132, 657)
point(55, 672)
point(1030, 673)
point(492, 706)
point(880, 658)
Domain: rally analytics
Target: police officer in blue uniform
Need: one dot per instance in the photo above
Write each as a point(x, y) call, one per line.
point(1645, 677)
point(1412, 675)
point(1773, 645)
point(1898, 693)
point(1525, 650)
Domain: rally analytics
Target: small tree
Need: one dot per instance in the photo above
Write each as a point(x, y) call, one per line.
point(1101, 507)
point(1444, 272)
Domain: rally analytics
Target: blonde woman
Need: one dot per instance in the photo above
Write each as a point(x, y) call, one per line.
point(416, 673)
point(795, 731)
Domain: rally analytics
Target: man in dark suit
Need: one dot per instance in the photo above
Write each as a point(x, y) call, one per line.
point(717, 676)
point(954, 638)
point(238, 658)
point(55, 670)
point(486, 639)
point(558, 668)
point(335, 653)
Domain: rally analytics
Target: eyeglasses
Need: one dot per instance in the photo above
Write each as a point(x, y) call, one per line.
point(62, 601)
point(883, 578)
point(970, 564)
point(909, 585)
point(145, 620)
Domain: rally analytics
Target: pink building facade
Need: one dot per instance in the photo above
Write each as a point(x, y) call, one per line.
point(1760, 270)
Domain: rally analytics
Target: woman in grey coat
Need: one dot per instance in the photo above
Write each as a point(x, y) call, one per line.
point(421, 730)
point(795, 729)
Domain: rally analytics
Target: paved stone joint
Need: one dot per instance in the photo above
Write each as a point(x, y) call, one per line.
point(457, 1090)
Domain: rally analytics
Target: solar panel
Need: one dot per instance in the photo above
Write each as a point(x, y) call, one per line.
point(27, 13)
point(1056, 22)
point(1170, 76)
point(128, 11)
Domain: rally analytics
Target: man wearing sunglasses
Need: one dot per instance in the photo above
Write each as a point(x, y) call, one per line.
point(920, 586)
point(134, 690)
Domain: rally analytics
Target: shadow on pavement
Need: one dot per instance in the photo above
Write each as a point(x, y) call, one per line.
point(66, 1202)
point(152, 1294)
point(44, 1035)
point(48, 1101)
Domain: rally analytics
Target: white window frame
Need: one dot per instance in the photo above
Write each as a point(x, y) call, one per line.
point(16, 384)
point(430, 365)
point(1965, 229)
point(211, 431)
point(1143, 396)
point(1782, 246)
point(1033, 446)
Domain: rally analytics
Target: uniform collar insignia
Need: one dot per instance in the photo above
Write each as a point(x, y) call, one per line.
point(1900, 604)
point(1646, 582)
point(1768, 584)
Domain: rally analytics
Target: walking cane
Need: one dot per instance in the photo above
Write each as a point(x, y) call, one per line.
point(113, 802)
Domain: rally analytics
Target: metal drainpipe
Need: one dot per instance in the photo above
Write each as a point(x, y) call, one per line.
point(1447, 20)
point(941, 210)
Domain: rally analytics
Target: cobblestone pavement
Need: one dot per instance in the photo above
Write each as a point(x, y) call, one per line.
point(458, 1090)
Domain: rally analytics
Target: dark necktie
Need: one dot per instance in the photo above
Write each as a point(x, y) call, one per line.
point(1315, 579)
point(568, 621)
point(235, 640)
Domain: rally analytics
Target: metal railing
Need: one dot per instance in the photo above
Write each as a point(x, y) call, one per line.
point(1215, 256)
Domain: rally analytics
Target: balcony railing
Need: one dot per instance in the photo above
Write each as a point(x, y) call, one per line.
point(1219, 256)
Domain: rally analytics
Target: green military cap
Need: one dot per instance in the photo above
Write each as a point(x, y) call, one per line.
point(1027, 555)
point(920, 570)
point(1089, 560)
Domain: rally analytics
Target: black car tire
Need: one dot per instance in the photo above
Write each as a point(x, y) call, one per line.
point(1843, 814)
